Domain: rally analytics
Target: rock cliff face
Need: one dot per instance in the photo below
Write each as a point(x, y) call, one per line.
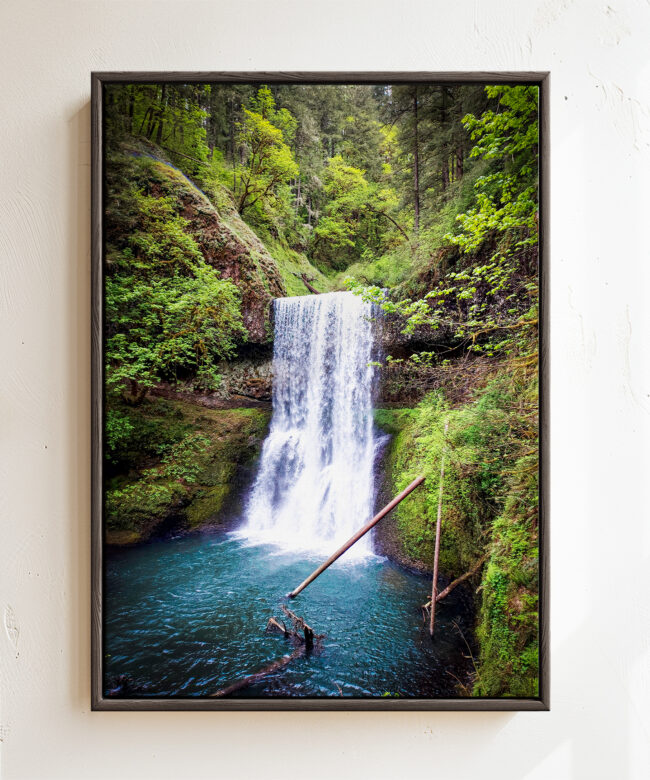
point(231, 247)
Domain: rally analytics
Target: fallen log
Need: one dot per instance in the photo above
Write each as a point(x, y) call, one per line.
point(361, 532)
point(454, 583)
point(309, 286)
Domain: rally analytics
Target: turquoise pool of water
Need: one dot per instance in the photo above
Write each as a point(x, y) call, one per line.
point(185, 617)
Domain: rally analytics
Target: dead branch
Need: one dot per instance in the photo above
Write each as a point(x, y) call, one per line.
point(302, 636)
point(456, 582)
point(276, 625)
point(251, 679)
point(309, 286)
point(299, 626)
point(434, 584)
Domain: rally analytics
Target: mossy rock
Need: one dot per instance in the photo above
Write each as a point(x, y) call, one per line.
point(122, 538)
point(206, 505)
point(186, 479)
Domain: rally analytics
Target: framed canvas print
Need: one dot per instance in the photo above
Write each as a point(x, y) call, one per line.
point(319, 391)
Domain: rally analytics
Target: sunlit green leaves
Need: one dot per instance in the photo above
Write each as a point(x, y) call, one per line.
point(270, 163)
point(169, 313)
point(489, 299)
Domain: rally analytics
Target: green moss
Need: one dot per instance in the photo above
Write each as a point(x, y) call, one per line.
point(417, 448)
point(508, 627)
point(489, 508)
point(293, 265)
point(188, 470)
point(227, 243)
point(207, 504)
point(392, 421)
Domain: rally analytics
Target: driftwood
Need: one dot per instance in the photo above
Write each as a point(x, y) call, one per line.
point(303, 278)
point(251, 679)
point(301, 635)
point(299, 626)
point(439, 596)
point(436, 554)
point(361, 532)
point(275, 625)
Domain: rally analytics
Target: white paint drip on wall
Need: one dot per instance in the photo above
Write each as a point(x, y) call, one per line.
point(12, 629)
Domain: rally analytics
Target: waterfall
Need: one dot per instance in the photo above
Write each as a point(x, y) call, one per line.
point(314, 487)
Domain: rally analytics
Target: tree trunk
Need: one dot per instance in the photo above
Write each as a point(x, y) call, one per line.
point(436, 554)
point(131, 108)
point(361, 532)
point(251, 679)
point(161, 114)
point(443, 593)
point(311, 289)
point(231, 130)
point(416, 164)
point(445, 175)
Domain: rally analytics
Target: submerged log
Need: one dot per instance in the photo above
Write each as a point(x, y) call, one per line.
point(251, 679)
point(302, 636)
point(299, 626)
point(361, 532)
point(276, 625)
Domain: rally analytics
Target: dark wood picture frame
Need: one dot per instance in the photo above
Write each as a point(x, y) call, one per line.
point(99, 701)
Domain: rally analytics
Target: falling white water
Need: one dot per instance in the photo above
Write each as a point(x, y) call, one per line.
point(314, 488)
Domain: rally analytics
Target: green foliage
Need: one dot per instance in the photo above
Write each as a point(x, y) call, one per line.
point(118, 430)
point(427, 190)
point(159, 486)
point(171, 115)
point(136, 435)
point(176, 459)
point(293, 266)
point(490, 304)
point(475, 449)
point(263, 135)
point(168, 312)
point(325, 169)
point(489, 505)
point(508, 628)
point(355, 223)
point(507, 196)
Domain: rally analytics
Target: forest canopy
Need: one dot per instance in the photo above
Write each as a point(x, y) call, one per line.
point(421, 197)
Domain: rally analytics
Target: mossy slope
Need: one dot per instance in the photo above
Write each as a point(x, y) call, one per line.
point(489, 511)
point(180, 467)
point(261, 272)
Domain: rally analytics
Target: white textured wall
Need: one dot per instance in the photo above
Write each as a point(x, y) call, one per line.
point(597, 51)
